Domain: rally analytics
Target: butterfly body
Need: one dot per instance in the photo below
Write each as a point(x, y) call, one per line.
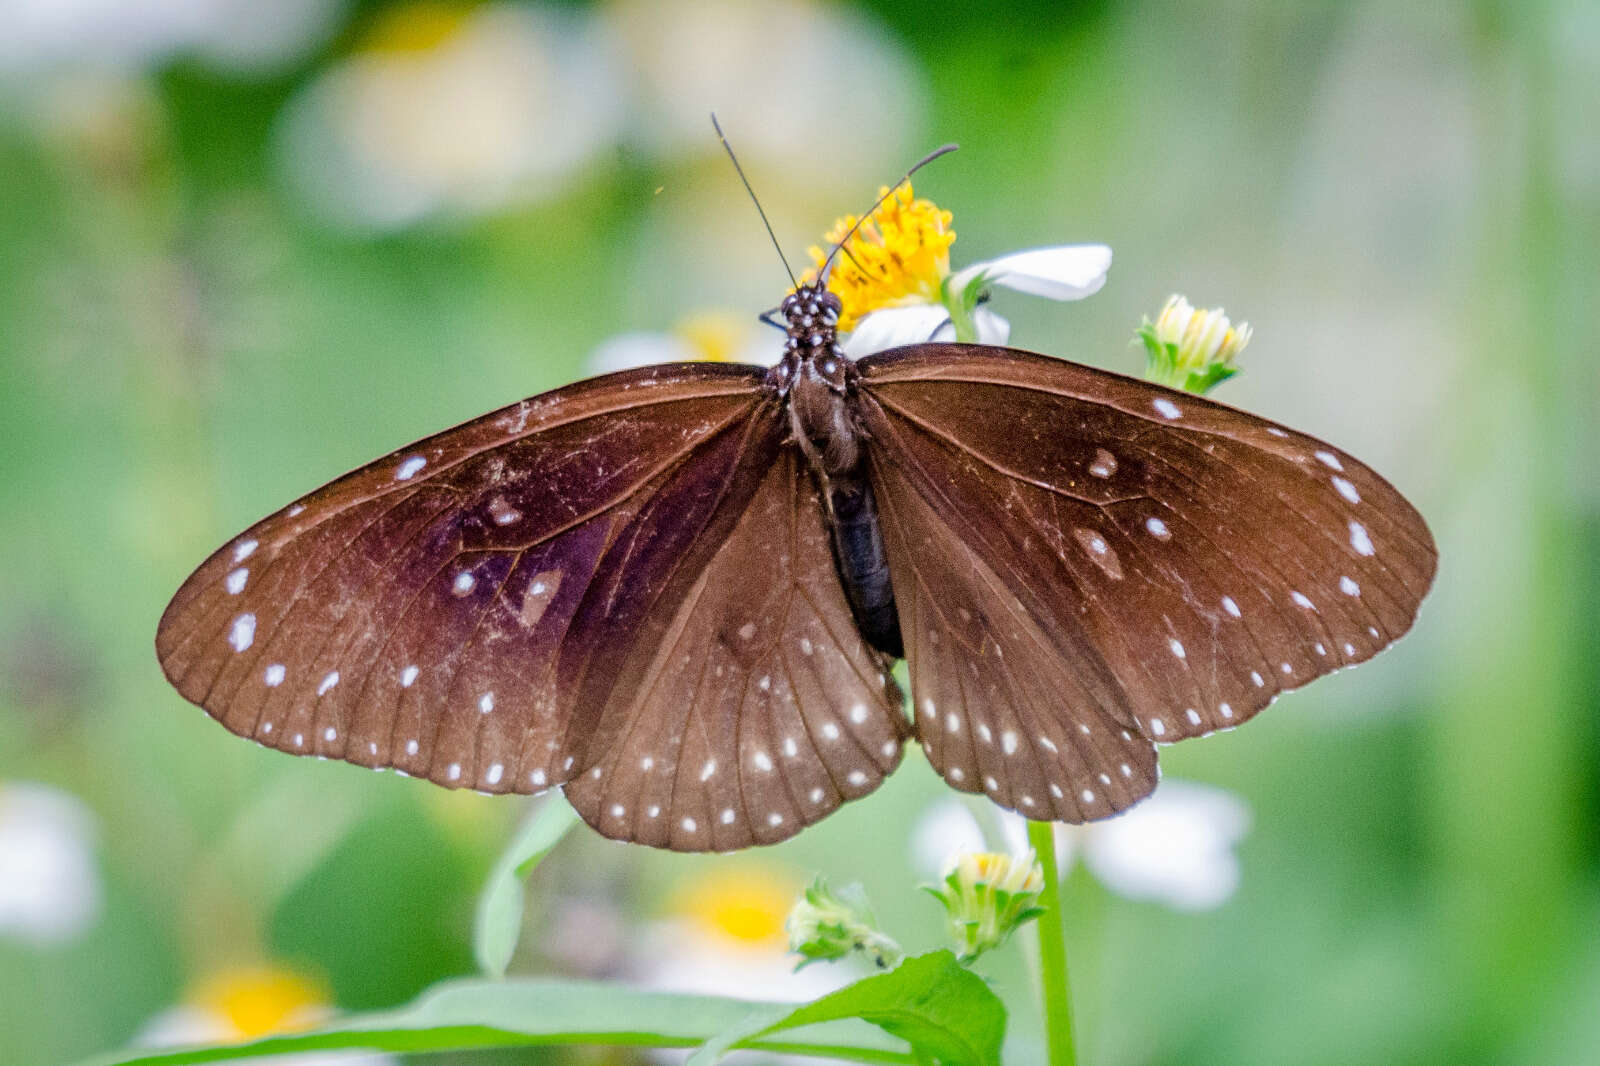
point(678, 591)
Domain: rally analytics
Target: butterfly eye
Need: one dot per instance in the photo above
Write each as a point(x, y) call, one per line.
point(831, 306)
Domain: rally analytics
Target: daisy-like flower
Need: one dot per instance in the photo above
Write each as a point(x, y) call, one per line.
point(724, 934)
point(1175, 848)
point(1192, 349)
point(711, 336)
point(49, 887)
point(235, 1006)
point(446, 111)
point(894, 279)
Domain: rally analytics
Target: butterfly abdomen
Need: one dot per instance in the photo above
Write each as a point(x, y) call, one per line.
point(863, 563)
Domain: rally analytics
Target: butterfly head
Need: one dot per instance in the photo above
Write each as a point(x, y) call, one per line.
point(811, 317)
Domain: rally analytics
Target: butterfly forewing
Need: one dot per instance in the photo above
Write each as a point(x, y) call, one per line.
point(760, 709)
point(419, 612)
point(1184, 561)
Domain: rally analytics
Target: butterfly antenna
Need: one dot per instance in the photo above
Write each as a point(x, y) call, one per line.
point(740, 170)
point(944, 149)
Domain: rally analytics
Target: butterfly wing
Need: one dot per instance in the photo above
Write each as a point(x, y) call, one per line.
point(1086, 564)
point(759, 709)
point(438, 610)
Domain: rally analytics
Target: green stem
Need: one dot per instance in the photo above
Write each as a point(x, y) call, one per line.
point(1054, 989)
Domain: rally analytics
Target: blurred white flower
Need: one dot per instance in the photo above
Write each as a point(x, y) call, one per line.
point(776, 72)
point(1175, 848)
point(724, 935)
point(453, 111)
point(240, 1005)
point(710, 336)
point(49, 887)
point(49, 35)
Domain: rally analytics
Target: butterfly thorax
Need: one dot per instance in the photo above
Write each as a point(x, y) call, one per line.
point(815, 379)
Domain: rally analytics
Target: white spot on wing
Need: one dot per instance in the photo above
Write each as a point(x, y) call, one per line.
point(1359, 539)
point(410, 468)
point(763, 761)
point(1166, 408)
point(235, 581)
point(463, 583)
point(1347, 490)
point(1157, 528)
point(1329, 460)
point(243, 549)
point(1177, 648)
point(1229, 606)
point(407, 676)
point(454, 772)
point(1302, 599)
point(708, 769)
point(1158, 727)
point(858, 713)
point(274, 675)
point(1104, 465)
point(328, 681)
point(1349, 587)
point(242, 634)
point(486, 702)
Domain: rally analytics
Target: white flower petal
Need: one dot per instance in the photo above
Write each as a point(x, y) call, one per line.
point(894, 326)
point(1062, 272)
point(1174, 848)
point(992, 329)
point(628, 350)
point(945, 830)
point(49, 887)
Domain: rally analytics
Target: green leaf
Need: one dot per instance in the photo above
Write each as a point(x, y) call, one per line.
point(944, 1011)
point(479, 1013)
point(499, 919)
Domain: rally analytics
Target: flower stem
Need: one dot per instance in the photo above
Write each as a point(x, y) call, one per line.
point(1054, 989)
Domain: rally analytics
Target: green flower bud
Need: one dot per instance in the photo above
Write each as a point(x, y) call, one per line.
point(1191, 349)
point(987, 896)
point(828, 925)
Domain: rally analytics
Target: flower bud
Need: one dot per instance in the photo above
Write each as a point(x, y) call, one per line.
point(986, 897)
point(826, 925)
point(1192, 349)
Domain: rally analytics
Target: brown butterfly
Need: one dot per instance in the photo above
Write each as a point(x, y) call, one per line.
point(678, 591)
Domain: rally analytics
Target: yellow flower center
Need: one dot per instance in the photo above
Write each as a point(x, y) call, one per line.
point(746, 905)
point(261, 1000)
point(899, 256)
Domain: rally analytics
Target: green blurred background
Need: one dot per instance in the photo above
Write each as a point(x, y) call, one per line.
point(246, 247)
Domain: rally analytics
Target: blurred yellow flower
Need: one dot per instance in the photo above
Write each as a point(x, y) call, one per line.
point(900, 255)
point(416, 27)
point(743, 904)
point(261, 1000)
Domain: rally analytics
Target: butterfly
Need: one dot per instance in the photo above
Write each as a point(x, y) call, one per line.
point(678, 592)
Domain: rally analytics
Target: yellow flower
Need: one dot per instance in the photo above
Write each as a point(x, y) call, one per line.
point(261, 1000)
point(744, 904)
point(899, 256)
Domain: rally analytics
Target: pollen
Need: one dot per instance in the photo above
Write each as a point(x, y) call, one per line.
point(900, 255)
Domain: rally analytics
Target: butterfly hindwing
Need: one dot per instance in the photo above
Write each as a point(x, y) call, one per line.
point(1184, 561)
point(762, 709)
